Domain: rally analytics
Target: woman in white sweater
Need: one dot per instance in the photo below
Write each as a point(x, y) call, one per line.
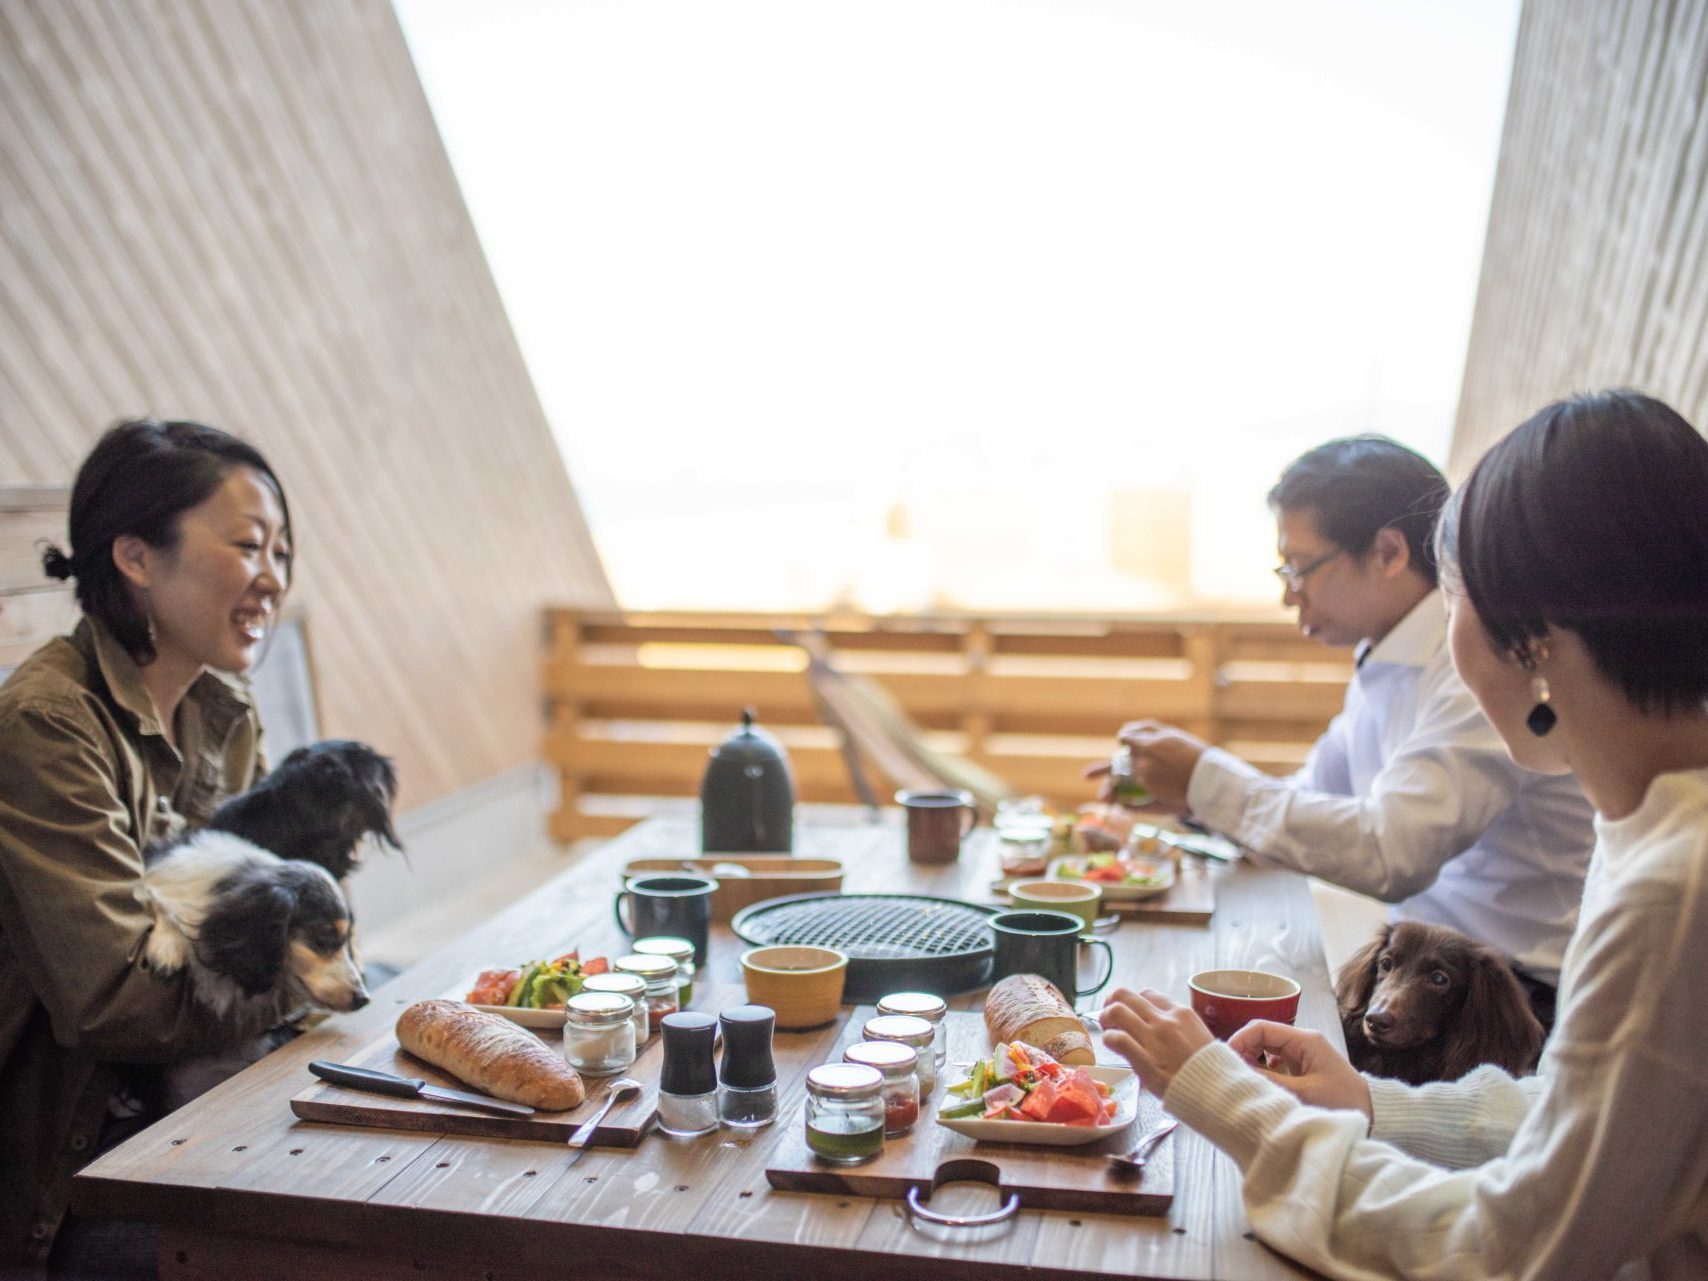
point(1576, 564)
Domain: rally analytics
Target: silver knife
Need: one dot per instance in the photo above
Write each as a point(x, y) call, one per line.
point(408, 1087)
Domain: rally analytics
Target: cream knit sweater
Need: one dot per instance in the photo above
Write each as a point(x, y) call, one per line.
point(1595, 1167)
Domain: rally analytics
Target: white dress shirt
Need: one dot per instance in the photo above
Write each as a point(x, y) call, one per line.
point(1410, 797)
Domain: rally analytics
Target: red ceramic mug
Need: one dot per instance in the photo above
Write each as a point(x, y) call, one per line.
point(1229, 999)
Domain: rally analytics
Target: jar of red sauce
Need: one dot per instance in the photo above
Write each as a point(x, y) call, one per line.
point(899, 1064)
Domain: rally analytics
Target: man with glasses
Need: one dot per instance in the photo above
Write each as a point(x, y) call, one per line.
point(1409, 796)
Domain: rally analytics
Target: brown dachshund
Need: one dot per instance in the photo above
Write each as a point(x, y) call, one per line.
point(1425, 1003)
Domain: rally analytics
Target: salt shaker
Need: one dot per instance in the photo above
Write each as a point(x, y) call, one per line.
point(688, 1081)
point(747, 1078)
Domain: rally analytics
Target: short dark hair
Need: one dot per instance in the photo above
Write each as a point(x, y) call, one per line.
point(139, 479)
point(1361, 485)
point(1593, 516)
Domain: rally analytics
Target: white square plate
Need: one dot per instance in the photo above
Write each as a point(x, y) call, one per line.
point(1071, 866)
point(1124, 1093)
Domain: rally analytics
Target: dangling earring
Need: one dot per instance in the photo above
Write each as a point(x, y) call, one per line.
point(1542, 718)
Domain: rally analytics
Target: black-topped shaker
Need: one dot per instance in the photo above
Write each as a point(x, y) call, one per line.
point(747, 1079)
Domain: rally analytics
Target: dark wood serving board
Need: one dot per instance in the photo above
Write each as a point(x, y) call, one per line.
point(1077, 1178)
point(622, 1128)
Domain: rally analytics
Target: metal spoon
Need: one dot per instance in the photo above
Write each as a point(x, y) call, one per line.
point(622, 1090)
point(1134, 1161)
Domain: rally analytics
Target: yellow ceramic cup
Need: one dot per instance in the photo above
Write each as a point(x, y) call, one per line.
point(1078, 897)
point(802, 984)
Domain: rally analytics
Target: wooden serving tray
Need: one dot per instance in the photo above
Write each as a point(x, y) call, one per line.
point(622, 1128)
point(1045, 1178)
point(772, 876)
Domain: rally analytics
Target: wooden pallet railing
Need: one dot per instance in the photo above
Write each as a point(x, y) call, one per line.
point(637, 700)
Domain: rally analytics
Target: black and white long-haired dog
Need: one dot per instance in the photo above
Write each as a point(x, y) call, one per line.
point(251, 905)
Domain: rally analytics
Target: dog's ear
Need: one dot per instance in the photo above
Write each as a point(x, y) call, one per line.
point(1496, 1023)
point(378, 775)
point(247, 934)
point(1356, 983)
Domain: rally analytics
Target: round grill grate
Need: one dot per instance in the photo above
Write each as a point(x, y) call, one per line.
point(871, 927)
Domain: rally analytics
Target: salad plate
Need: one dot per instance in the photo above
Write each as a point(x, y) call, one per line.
point(1124, 878)
point(1120, 1102)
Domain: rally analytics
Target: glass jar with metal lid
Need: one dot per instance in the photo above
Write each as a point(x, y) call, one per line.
point(934, 1010)
point(909, 1030)
point(899, 1064)
point(599, 1033)
point(845, 1113)
point(631, 986)
point(659, 975)
point(679, 950)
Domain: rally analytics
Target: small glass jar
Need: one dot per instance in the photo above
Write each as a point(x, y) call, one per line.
point(1124, 784)
point(688, 1079)
point(659, 975)
point(679, 950)
point(934, 1010)
point(631, 986)
point(845, 1113)
point(909, 1030)
point(599, 1033)
point(899, 1064)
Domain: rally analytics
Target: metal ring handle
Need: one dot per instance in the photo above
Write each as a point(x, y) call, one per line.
point(1008, 1211)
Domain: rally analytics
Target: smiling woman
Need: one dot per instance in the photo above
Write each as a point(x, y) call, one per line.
point(112, 738)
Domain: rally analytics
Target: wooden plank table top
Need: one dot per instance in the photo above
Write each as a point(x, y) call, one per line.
point(243, 1188)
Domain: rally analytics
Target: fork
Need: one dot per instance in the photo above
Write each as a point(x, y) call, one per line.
point(1134, 1161)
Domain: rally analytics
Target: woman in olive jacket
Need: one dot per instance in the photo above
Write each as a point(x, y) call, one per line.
point(121, 734)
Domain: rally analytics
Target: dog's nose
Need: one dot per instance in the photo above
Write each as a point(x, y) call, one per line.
point(359, 1000)
point(1379, 1022)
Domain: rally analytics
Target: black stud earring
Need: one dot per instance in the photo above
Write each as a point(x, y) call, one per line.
point(1542, 718)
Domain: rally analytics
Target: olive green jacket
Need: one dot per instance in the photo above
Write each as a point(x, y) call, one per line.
point(87, 780)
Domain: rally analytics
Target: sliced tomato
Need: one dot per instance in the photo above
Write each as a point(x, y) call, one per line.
point(574, 954)
point(598, 965)
point(1077, 1102)
point(1039, 1102)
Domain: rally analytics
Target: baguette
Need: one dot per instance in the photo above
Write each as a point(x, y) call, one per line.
point(1028, 1008)
point(489, 1053)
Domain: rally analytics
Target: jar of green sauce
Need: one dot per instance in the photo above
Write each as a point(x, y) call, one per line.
point(845, 1113)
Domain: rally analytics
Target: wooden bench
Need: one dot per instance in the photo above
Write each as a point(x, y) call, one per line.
point(637, 700)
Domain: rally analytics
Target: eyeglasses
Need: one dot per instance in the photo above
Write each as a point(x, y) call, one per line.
point(1293, 577)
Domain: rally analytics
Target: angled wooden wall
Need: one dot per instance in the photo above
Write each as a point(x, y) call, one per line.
point(1595, 271)
point(240, 211)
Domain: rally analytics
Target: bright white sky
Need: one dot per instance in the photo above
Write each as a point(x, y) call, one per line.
point(890, 300)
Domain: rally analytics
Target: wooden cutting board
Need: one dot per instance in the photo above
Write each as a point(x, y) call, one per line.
point(1045, 1178)
point(622, 1128)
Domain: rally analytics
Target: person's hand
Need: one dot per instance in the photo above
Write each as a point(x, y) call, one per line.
point(1153, 1034)
point(1163, 760)
point(1310, 1067)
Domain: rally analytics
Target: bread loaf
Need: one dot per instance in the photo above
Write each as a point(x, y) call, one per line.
point(1028, 1008)
point(489, 1053)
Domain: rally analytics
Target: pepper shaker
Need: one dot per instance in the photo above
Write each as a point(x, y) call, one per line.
point(688, 1081)
point(747, 1078)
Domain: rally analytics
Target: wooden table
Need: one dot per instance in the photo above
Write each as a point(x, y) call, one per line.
point(243, 1189)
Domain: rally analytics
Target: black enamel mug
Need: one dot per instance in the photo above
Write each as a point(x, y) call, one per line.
point(669, 904)
point(1046, 944)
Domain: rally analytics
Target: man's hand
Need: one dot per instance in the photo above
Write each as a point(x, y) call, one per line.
point(1153, 1034)
point(1309, 1066)
point(1163, 760)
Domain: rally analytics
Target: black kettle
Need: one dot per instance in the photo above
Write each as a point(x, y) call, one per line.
point(747, 798)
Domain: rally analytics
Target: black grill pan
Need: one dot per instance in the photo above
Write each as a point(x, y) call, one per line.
point(894, 942)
